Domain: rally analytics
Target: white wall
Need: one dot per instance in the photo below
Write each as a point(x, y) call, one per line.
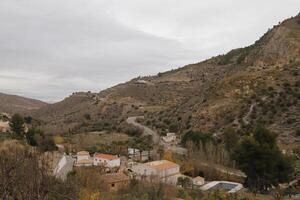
point(83, 157)
point(107, 162)
point(167, 176)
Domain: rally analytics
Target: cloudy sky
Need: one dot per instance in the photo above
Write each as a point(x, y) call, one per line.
point(51, 48)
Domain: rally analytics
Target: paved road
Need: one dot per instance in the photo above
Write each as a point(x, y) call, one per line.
point(147, 131)
point(179, 150)
point(155, 136)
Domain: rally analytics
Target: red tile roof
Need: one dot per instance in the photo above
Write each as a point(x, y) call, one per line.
point(106, 156)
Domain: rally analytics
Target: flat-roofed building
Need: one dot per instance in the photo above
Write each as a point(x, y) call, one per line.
point(170, 137)
point(161, 170)
point(198, 181)
point(83, 158)
point(106, 160)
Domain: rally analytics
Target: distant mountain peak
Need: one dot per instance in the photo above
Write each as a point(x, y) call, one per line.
point(17, 104)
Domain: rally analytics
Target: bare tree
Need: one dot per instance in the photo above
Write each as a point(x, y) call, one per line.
point(25, 175)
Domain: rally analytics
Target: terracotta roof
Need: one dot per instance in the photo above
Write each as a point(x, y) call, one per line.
point(114, 177)
point(106, 156)
point(82, 153)
point(162, 164)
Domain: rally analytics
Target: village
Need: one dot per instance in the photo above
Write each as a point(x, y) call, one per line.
point(119, 170)
point(116, 170)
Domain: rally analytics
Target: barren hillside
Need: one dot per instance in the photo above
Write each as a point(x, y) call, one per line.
point(16, 104)
point(255, 84)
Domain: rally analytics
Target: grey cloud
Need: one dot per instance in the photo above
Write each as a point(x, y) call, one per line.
point(51, 48)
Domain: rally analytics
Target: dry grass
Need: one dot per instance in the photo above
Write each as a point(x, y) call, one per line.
point(86, 140)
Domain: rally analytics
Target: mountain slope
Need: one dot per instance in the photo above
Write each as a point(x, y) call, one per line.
point(17, 104)
point(255, 84)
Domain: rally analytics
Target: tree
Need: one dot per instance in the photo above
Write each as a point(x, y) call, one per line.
point(230, 139)
point(184, 181)
point(260, 158)
point(17, 124)
point(196, 137)
point(173, 127)
point(28, 119)
point(44, 142)
point(30, 137)
point(24, 175)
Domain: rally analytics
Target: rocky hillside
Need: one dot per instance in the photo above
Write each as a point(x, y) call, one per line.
point(16, 104)
point(256, 84)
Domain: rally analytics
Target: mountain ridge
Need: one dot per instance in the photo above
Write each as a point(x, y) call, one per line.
point(17, 104)
point(246, 86)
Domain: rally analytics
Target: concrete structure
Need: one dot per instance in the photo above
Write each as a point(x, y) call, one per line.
point(115, 181)
point(106, 160)
point(133, 152)
point(170, 137)
point(160, 170)
point(64, 166)
point(231, 187)
point(83, 159)
point(198, 181)
point(136, 155)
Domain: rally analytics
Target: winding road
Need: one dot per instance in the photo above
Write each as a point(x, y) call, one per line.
point(178, 149)
point(155, 136)
point(146, 130)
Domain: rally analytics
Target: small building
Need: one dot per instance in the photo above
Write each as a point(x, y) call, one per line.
point(198, 181)
point(115, 181)
point(4, 126)
point(83, 159)
point(161, 170)
point(136, 155)
point(170, 137)
point(133, 152)
point(106, 160)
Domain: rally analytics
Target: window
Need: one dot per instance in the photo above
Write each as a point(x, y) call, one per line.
point(112, 185)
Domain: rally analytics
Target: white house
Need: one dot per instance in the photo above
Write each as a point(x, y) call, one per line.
point(170, 137)
point(160, 170)
point(106, 160)
point(83, 159)
point(198, 181)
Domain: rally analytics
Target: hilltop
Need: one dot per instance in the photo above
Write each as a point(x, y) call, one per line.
point(256, 84)
point(17, 104)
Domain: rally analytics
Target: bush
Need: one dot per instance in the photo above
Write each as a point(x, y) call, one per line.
point(87, 116)
point(196, 137)
point(173, 127)
point(260, 158)
point(133, 131)
point(17, 124)
point(298, 133)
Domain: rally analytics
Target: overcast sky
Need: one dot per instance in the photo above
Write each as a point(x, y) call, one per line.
point(51, 48)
